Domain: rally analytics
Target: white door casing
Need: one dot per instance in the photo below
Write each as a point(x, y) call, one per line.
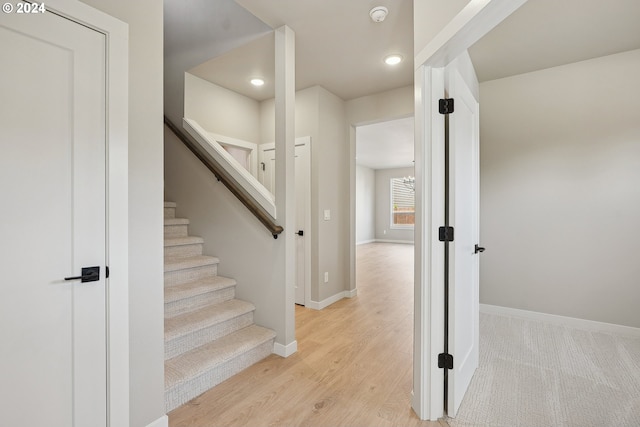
point(464, 217)
point(474, 21)
point(303, 208)
point(53, 177)
point(115, 136)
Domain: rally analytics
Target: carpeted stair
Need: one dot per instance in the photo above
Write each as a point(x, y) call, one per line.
point(209, 335)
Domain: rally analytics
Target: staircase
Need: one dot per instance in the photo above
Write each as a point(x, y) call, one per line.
point(209, 335)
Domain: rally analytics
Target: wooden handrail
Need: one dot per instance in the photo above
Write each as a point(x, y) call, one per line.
point(228, 181)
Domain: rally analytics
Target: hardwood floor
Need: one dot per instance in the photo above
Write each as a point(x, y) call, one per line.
point(353, 366)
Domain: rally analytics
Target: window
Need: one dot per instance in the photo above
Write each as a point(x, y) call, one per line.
point(402, 202)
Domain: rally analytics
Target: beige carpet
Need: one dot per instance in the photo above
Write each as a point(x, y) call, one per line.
point(535, 374)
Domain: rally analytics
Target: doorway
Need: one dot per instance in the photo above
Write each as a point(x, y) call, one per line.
point(62, 179)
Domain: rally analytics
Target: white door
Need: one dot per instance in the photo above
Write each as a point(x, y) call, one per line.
point(52, 184)
point(267, 173)
point(303, 189)
point(463, 266)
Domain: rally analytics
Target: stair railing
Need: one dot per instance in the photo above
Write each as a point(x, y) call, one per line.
point(227, 170)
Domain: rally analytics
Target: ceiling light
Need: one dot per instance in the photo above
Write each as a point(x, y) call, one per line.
point(257, 82)
point(393, 59)
point(378, 13)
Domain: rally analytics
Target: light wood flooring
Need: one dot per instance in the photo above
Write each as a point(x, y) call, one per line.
point(353, 366)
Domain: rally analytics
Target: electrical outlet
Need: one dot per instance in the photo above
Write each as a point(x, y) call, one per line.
point(326, 277)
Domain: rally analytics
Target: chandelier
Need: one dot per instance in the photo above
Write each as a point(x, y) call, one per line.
point(410, 183)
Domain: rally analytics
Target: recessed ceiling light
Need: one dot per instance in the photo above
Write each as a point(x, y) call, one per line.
point(393, 59)
point(257, 82)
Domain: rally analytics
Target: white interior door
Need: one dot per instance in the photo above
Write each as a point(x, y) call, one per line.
point(52, 182)
point(303, 204)
point(463, 265)
point(267, 173)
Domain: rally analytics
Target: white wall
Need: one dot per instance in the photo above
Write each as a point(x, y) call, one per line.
point(146, 297)
point(365, 204)
point(560, 199)
point(383, 106)
point(383, 206)
point(332, 177)
point(220, 110)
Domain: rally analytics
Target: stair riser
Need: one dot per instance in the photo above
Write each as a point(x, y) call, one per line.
point(175, 308)
point(175, 230)
point(183, 250)
point(169, 213)
point(176, 347)
point(183, 392)
point(190, 274)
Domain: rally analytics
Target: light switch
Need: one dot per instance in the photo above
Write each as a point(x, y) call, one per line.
point(327, 214)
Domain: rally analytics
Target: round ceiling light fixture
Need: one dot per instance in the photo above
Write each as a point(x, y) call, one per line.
point(393, 59)
point(378, 13)
point(257, 81)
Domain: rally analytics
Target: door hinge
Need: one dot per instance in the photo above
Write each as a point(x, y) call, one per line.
point(445, 234)
point(263, 166)
point(445, 106)
point(106, 272)
point(445, 360)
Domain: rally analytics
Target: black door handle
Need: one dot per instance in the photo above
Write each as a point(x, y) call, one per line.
point(479, 249)
point(89, 274)
point(300, 233)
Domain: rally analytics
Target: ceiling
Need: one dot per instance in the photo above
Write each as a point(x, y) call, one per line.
point(385, 145)
point(547, 33)
point(339, 48)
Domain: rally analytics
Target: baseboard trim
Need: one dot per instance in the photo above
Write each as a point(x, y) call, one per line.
point(163, 421)
point(406, 242)
point(589, 325)
point(285, 350)
point(364, 242)
point(319, 305)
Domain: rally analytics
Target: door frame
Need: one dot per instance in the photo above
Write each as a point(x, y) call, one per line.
point(117, 223)
point(472, 23)
point(304, 141)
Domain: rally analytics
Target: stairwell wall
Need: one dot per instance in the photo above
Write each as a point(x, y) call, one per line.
point(220, 110)
point(247, 251)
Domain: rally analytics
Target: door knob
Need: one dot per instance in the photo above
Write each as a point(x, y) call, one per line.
point(300, 233)
point(479, 249)
point(89, 274)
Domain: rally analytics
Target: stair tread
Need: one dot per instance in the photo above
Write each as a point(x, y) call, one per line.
point(170, 204)
point(176, 221)
point(179, 241)
point(190, 364)
point(182, 263)
point(197, 287)
point(211, 315)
